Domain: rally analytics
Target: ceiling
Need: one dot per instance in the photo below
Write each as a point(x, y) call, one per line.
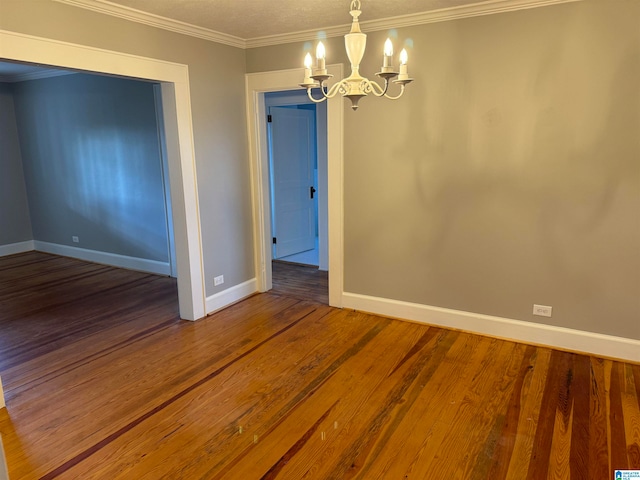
point(248, 19)
point(255, 23)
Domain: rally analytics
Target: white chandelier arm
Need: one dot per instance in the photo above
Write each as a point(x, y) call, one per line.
point(320, 100)
point(397, 96)
point(330, 93)
point(377, 90)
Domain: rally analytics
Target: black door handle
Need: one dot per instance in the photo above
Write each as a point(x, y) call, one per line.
point(312, 191)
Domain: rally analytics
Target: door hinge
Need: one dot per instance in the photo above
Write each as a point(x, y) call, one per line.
point(269, 118)
point(274, 240)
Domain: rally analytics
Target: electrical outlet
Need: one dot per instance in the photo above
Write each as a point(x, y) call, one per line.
point(75, 239)
point(542, 310)
point(219, 280)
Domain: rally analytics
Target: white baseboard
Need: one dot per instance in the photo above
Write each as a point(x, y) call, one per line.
point(14, 248)
point(527, 332)
point(113, 259)
point(231, 295)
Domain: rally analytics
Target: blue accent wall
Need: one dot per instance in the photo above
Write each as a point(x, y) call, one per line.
point(15, 224)
point(92, 164)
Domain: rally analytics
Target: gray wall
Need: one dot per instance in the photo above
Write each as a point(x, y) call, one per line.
point(15, 223)
point(216, 81)
point(92, 164)
point(508, 175)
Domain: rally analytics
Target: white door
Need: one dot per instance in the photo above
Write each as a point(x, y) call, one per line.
point(293, 158)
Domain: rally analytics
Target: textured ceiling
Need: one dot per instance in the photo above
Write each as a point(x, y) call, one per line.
point(249, 19)
point(253, 23)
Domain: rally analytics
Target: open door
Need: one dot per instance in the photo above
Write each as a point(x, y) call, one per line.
point(292, 135)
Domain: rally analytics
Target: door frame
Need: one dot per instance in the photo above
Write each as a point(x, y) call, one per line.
point(176, 97)
point(257, 84)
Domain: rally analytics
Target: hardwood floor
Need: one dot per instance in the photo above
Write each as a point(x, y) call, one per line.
point(300, 281)
point(103, 381)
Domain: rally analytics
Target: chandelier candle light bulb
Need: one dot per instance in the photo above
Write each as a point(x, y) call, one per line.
point(388, 54)
point(320, 57)
point(404, 74)
point(355, 86)
point(307, 69)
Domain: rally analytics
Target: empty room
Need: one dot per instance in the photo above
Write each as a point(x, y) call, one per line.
point(469, 193)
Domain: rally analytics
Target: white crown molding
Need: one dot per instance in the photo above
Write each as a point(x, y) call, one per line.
point(445, 14)
point(108, 8)
point(488, 7)
point(22, 77)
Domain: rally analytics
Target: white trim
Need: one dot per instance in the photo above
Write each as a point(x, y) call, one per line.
point(138, 16)
point(174, 80)
point(231, 295)
point(434, 16)
point(106, 258)
point(489, 7)
point(256, 85)
point(527, 332)
point(14, 248)
point(442, 15)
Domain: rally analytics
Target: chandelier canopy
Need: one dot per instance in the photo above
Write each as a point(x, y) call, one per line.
point(355, 86)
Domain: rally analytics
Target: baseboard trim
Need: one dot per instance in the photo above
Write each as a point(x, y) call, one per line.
point(231, 295)
point(13, 248)
point(112, 259)
point(527, 332)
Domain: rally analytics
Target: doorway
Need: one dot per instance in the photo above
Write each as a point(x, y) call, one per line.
point(177, 119)
point(297, 139)
point(257, 86)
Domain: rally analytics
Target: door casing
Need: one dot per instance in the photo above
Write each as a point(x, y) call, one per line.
point(176, 100)
point(257, 84)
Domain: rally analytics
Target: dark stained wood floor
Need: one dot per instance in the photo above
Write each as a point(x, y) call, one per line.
point(300, 281)
point(103, 381)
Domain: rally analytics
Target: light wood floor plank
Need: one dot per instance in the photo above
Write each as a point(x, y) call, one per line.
point(104, 381)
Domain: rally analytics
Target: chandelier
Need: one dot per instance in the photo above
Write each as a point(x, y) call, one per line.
point(355, 86)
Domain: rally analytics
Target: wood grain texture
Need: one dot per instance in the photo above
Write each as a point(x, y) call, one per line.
point(104, 381)
point(303, 282)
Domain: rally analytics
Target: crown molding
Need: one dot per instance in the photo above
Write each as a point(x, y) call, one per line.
point(109, 8)
point(45, 73)
point(488, 7)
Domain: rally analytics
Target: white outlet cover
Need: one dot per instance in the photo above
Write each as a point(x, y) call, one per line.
point(542, 310)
